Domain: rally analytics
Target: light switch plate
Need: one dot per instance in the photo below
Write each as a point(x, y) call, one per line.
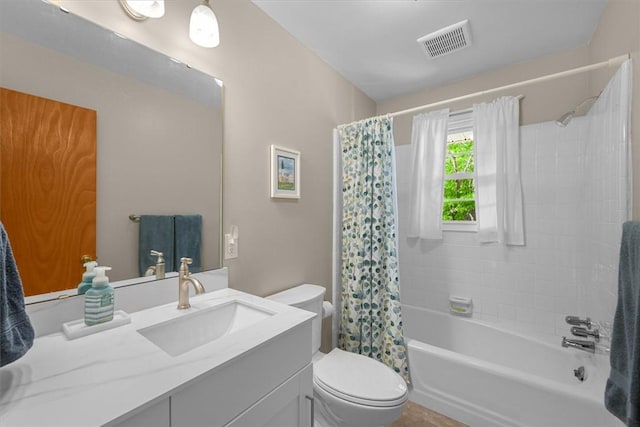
point(230, 247)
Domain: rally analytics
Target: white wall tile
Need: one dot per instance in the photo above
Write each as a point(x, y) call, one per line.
point(573, 216)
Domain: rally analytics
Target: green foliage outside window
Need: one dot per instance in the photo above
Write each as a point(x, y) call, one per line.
point(459, 189)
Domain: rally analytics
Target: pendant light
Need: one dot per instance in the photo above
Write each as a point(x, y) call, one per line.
point(143, 9)
point(203, 27)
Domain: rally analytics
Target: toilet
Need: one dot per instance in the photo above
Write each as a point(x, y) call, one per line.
point(349, 389)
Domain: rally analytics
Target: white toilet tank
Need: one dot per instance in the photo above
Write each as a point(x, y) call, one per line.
point(306, 297)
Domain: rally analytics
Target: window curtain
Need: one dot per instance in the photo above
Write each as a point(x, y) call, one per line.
point(370, 315)
point(496, 134)
point(428, 150)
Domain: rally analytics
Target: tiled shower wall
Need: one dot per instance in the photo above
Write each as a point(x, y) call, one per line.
point(529, 289)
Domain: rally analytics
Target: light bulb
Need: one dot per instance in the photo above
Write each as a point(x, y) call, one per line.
point(146, 8)
point(203, 27)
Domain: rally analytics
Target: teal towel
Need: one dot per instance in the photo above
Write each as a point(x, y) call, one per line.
point(188, 240)
point(156, 232)
point(16, 332)
point(622, 392)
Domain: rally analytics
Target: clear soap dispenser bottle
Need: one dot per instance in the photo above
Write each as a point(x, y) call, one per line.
point(98, 301)
point(87, 277)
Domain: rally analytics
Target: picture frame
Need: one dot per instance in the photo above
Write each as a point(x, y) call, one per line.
point(285, 173)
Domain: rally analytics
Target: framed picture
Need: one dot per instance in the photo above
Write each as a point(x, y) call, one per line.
point(285, 173)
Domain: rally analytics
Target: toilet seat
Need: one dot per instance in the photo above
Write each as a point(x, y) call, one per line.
point(359, 379)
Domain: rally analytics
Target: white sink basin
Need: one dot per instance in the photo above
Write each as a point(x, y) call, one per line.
point(177, 336)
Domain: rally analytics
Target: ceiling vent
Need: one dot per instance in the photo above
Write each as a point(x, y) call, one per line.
point(447, 40)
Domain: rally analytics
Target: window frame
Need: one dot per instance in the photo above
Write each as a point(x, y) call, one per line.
point(459, 122)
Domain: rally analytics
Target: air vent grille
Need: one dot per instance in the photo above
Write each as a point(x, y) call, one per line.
point(447, 40)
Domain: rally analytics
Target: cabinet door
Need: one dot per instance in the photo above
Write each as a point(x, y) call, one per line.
point(289, 405)
point(158, 415)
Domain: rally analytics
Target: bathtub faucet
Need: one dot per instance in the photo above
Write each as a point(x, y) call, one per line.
point(583, 345)
point(576, 321)
point(584, 333)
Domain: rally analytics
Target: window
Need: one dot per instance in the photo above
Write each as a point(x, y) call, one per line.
point(459, 204)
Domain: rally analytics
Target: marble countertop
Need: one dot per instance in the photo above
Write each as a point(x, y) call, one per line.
point(100, 378)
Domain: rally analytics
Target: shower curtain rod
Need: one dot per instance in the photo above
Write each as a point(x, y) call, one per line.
point(609, 63)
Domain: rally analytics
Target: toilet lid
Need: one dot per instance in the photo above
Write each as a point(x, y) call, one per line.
point(359, 379)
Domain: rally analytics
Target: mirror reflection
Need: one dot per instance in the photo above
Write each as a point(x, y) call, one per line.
point(155, 138)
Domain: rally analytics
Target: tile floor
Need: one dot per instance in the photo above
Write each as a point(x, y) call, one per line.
point(415, 415)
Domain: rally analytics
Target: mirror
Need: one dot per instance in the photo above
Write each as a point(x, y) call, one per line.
point(159, 126)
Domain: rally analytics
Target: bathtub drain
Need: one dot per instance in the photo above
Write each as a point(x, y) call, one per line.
point(580, 373)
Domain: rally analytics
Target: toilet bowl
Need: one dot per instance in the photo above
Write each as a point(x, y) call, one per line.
point(349, 389)
point(354, 390)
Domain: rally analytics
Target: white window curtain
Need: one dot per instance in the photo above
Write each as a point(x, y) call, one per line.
point(428, 149)
point(499, 207)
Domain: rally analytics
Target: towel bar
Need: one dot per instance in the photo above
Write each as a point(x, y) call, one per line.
point(134, 218)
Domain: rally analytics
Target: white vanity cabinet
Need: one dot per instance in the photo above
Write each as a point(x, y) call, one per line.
point(157, 415)
point(270, 382)
point(258, 374)
point(289, 405)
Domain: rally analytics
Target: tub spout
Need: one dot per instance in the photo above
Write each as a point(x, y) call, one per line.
point(583, 345)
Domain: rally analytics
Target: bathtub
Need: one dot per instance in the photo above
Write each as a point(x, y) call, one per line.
point(484, 376)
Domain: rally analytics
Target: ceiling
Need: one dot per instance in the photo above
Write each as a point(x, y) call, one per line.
point(372, 43)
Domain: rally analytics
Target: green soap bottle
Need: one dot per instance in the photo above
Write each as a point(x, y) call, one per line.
point(87, 277)
point(98, 301)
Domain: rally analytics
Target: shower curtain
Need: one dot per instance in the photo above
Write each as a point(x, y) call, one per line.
point(370, 319)
point(606, 197)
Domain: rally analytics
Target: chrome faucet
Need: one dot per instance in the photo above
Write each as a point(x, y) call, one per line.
point(583, 345)
point(184, 279)
point(582, 332)
point(576, 321)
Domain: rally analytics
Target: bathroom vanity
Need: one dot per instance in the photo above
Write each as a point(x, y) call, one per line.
point(249, 366)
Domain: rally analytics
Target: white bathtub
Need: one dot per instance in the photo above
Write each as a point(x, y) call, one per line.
point(484, 376)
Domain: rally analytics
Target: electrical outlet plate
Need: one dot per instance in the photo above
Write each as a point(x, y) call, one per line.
point(230, 247)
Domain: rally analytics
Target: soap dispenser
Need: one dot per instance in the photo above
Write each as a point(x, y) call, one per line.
point(98, 301)
point(87, 277)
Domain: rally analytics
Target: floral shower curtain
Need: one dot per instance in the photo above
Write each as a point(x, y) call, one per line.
point(370, 317)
